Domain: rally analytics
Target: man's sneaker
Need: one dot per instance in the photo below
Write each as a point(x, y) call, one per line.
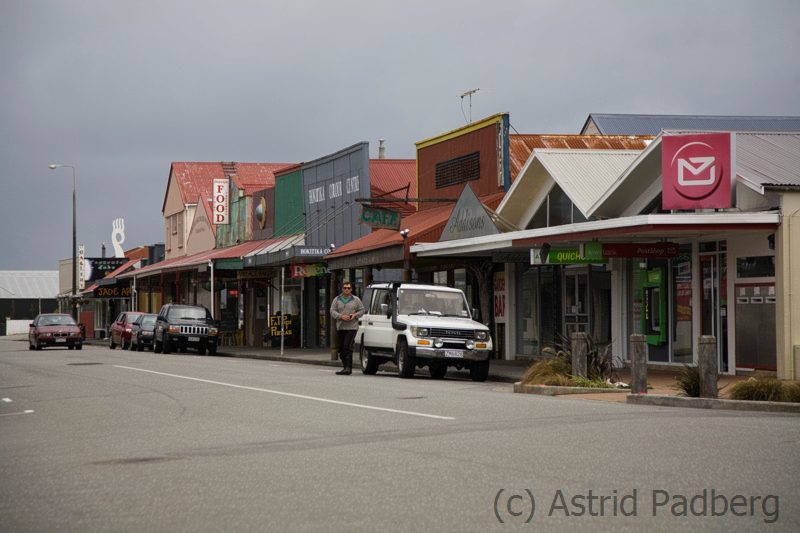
point(344, 372)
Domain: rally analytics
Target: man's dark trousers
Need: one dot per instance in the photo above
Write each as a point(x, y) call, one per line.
point(345, 338)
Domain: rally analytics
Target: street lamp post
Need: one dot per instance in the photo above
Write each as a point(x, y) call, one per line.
point(406, 260)
point(74, 299)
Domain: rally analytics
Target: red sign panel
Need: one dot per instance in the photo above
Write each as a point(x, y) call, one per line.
point(696, 171)
point(650, 250)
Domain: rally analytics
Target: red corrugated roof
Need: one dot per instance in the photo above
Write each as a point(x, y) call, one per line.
point(122, 268)
point(256, 176)
point(195, 178)
point(425, 226)
point(387, 175)
point(231, 252)
point(521, 146)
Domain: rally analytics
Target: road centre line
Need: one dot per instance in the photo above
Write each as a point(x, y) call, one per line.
point(290, 394)
point(26, 412)
point(7, 400)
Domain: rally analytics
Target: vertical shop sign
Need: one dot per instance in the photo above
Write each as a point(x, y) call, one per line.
point(500, 297)
point(81, 267)
point(220, 207)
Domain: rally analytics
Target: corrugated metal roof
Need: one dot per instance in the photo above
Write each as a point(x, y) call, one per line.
point(521, 146)
point(34, 284)
point(624, 124)
point(763, 159)
point(391, 174)
point(191, 261)
point(195, 178)
point(422, 226)
point(585, 175)
point(768, 159)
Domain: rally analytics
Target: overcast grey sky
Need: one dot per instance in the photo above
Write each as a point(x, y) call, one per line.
point(120, 89)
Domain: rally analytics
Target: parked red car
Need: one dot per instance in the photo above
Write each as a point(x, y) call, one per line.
point(54, 330)
point(120, 334)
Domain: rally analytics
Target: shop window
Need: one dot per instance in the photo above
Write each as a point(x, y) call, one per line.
point(682, 306)
point(539, 219)
point(525, 310)
point(560, 208)
point(755, 267)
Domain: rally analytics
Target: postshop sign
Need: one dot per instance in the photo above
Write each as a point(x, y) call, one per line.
point(696, 171)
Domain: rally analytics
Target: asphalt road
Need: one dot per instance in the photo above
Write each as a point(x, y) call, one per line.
point(102, 440)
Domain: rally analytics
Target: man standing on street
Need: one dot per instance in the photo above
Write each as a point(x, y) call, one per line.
point(346, 309)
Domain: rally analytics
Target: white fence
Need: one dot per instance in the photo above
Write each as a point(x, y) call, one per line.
point(15, 327)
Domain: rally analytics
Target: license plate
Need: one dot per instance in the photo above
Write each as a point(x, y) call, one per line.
point(61, 340)
point(194, 339)
point(454, 353)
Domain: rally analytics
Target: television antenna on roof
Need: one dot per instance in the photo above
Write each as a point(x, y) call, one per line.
point(468, 93)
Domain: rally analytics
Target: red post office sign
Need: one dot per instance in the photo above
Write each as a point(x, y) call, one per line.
point(696, 171)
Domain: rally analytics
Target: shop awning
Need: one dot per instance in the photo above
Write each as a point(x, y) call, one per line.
point(230, 258)
point(276, 252)
point(637, 228)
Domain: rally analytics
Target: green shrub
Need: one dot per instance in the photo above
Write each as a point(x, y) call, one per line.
point(687, 382)
point(762, 389)
point(597, 383)
point(551, 371)
point(791, 392)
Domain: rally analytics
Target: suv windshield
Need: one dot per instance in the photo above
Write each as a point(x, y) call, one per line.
point(187, 313)
point(431, 302)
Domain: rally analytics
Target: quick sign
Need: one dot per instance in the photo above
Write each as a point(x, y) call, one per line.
point(696, 171)
point(380, 218)
point(220, 208)
point(568, 256)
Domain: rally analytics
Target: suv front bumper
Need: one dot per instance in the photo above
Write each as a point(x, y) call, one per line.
point(447, 354)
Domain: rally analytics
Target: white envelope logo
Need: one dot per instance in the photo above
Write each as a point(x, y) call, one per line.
point(696, 166)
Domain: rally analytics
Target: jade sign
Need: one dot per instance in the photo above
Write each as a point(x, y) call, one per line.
point(380, 218)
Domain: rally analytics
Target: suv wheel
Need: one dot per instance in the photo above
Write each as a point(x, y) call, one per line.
point(369, 365)
point(405, 361)
point(438, 371)
point(479, 371)
point(165, 346)
point(212, 350)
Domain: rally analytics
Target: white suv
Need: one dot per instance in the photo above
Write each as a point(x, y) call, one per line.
point(421, 325)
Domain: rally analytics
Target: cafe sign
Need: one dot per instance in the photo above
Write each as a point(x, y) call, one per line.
point(380, 218)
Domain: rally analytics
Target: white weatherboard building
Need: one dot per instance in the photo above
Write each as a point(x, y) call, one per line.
point(672, 275)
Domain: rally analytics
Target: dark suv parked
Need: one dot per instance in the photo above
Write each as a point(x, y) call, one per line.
point(185, 326)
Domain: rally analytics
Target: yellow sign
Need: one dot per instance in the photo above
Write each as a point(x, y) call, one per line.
point(274, 325)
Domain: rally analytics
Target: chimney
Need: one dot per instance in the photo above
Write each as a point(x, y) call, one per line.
point(381, 149)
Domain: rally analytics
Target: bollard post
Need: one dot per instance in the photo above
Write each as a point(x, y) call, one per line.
point(638, 364)
point(579, 346)
point(334, 290)
point(707, 366)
